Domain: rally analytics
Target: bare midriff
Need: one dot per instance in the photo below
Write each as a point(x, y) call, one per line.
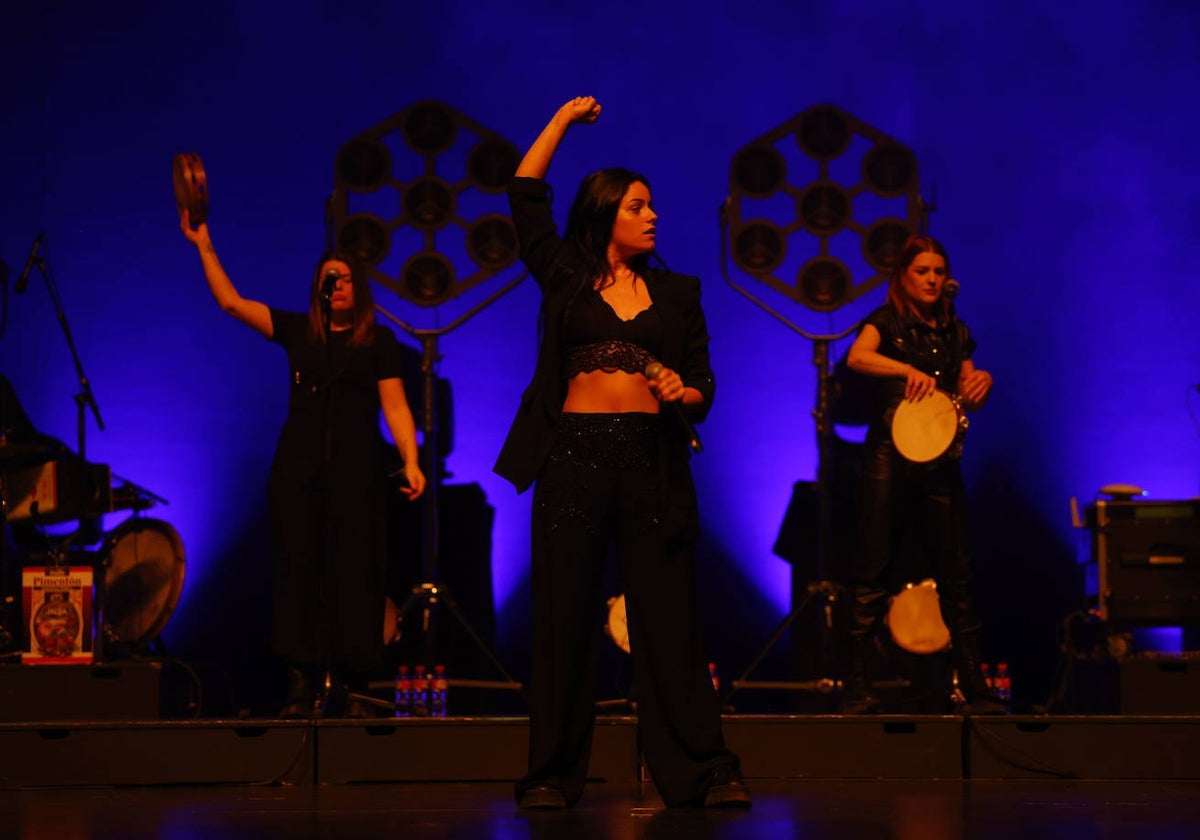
point(599, 392)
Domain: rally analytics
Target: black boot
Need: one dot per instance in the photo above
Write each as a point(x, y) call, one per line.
point(971, 682)
point(858, 695)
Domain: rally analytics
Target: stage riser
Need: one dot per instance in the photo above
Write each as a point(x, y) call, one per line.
point(847, 747)
point(1160, 686)
point(124, 691)
point(1084, 748)
point(76, 754)
point(84, 754)
point(457, 750)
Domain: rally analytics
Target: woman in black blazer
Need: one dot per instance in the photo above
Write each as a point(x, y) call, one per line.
point(621, 338)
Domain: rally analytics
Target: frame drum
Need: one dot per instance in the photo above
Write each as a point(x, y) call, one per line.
point(928, 428)
point(144, 566)
point(191, 187)
point(915, 619)
point(617, 625)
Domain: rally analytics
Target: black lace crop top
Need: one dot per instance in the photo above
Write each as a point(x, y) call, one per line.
point(595, 338)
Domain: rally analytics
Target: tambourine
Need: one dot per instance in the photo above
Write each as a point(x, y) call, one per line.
point(914, 618)
point(926, 429)
point(191, 187)
point(617, 625)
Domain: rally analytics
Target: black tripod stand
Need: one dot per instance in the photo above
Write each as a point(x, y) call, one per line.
point(430, 593)
point(823, 590)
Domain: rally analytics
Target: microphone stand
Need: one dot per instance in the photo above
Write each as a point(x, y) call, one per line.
point(88, 531)
point(85, 398)
point(826, 590)
point(325, 691)
point(430, 593)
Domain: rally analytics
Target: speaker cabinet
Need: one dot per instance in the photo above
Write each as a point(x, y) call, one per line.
point(1147, 557)
point(1160, 684)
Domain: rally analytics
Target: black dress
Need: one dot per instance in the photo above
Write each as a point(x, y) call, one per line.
point(327, 495)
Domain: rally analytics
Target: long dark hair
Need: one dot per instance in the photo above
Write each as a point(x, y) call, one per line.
point(914, 246)
point(590, 222)
point(363, 315)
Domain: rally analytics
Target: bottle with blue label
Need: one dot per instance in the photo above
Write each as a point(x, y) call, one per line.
point(438, 692)
point(419, 704)
point(1003, 683)
point(403, 692)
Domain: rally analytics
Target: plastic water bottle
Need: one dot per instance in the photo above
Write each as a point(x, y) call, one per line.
point(403, 692)
point(712, 674)
point(1003, 690)
point(420, 693)
point(438, 695)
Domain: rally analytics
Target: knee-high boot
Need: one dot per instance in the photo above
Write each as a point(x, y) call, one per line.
point(971, 681)
point(858, 695)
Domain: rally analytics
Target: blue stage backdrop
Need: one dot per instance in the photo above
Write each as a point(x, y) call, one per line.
point(1056, 140)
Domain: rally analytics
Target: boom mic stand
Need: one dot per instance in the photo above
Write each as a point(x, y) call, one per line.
point(430, 594)
point(85, 398)
point(88, 531)
point(826, 590)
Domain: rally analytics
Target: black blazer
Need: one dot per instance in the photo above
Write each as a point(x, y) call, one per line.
point(552, 262)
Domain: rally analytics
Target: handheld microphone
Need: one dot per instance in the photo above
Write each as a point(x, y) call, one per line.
point(23, 280)
point(653, 371)
point(328, 284)
point(950, 289)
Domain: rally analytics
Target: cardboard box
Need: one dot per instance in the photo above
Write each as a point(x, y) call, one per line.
point(58, 620)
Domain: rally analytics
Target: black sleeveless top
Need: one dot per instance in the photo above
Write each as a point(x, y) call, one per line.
point(595, 337)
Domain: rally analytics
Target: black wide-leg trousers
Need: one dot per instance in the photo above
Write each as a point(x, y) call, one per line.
point(582, 500)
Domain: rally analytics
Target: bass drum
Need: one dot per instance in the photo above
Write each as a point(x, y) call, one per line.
point(143, 578)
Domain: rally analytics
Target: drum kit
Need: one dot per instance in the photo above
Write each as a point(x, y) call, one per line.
point(131, 583)
point(139, 565)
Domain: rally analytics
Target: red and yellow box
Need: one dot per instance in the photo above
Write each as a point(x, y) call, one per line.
point(57, 611)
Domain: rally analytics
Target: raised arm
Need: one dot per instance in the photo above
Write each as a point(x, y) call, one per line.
point(537, 160)
point(249, 312)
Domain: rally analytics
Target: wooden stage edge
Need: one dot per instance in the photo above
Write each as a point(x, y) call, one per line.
point(66, 753)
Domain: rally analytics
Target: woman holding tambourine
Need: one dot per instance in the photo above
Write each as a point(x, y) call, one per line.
point(326, 487)
point(919, 352)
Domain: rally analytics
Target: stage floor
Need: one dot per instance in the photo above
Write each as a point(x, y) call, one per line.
point(124, 773)
point(922, 810)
